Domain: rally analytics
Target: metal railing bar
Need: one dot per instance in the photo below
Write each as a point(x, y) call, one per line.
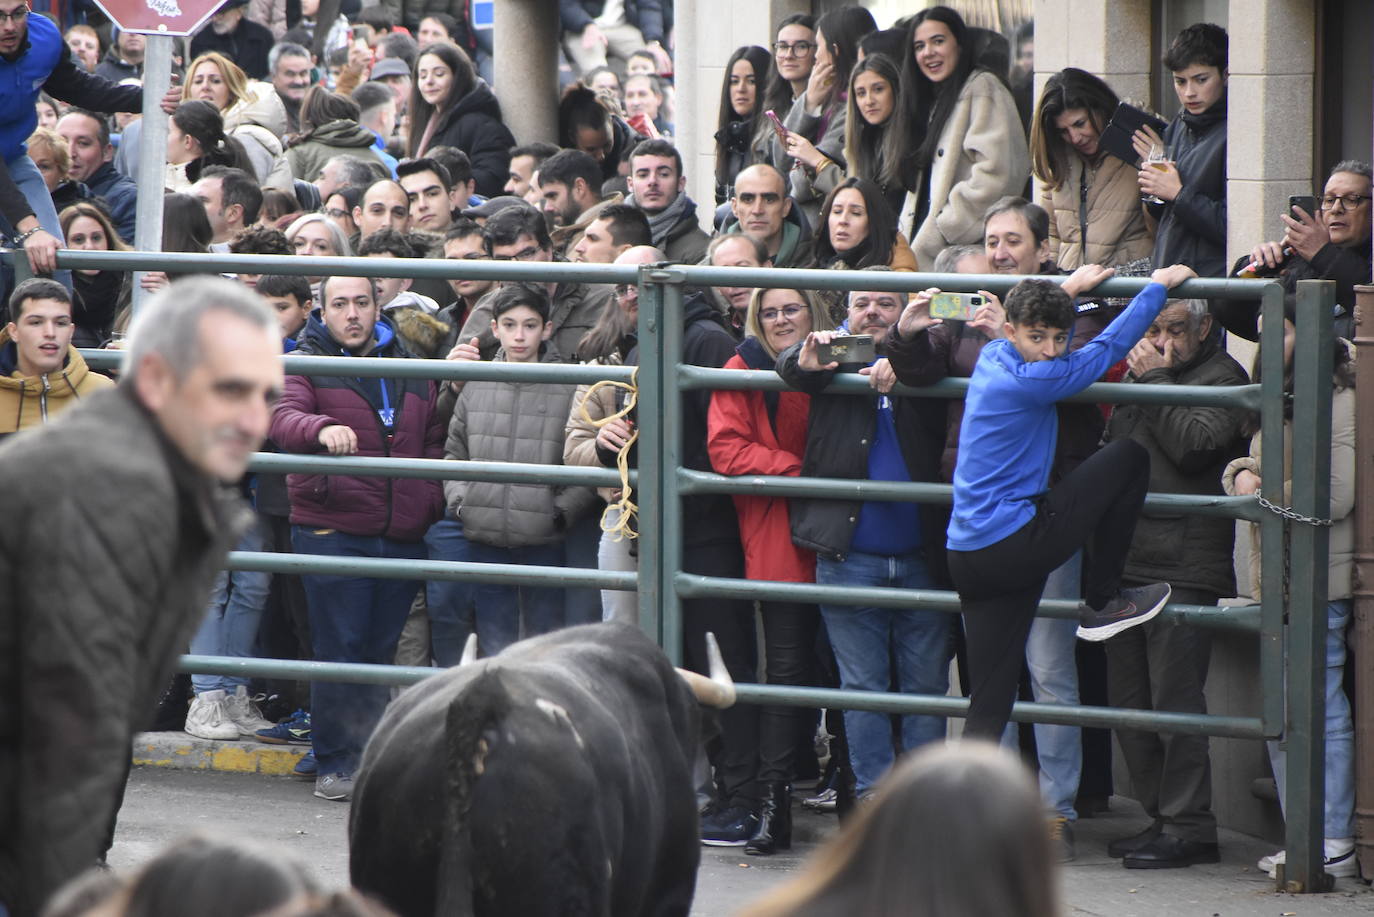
point(436, 469)
point(429, 570)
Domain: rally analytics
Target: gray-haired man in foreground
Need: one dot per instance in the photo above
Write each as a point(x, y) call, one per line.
point(115, 525)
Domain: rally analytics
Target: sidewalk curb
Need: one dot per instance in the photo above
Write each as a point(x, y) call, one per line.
point(180, 751)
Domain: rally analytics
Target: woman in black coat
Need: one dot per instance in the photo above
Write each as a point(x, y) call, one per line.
point(451, 106)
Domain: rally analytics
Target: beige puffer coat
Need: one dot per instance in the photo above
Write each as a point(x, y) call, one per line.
point(1117, 230)
point(258, 121)
point(579, 445)
point(1340, 578)
point(512, 422)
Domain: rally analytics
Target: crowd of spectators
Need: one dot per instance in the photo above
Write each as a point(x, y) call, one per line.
point(842, 147)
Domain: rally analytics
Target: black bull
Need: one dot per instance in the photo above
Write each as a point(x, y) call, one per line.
point(552, 779)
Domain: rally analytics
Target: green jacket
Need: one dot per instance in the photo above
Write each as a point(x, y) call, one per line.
point(337, 138)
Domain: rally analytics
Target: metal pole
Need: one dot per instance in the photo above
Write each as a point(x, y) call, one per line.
point(152, 161)
point(1306, 783)
point(670, 338)
point(1272, 544)
point(1362, 660)
point(649, 461)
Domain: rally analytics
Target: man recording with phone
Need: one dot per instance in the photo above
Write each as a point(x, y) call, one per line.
point(1326, 238)
point(875, 543)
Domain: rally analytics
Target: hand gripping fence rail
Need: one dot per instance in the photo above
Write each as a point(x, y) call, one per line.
point(1290, 638)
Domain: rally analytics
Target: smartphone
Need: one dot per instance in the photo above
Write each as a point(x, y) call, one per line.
point(847, 348)
point(778, 127)
point(1307, 202)
point(958, 306)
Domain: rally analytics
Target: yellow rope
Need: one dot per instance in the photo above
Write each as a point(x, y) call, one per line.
point(625, 526)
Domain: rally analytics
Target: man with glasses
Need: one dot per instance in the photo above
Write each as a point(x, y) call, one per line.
point(1332, 244)
point(34, 59)
point(520, 233)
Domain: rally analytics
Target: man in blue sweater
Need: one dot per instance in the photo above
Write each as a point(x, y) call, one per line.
point(1007, 532)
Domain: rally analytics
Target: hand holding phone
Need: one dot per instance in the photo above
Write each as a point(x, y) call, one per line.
point(778, 127)
point(958, 306)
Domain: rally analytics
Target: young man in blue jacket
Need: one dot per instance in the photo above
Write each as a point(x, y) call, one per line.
point(1007, 532)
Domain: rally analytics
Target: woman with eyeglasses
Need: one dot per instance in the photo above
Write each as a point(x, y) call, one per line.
point(816, 122)
point(968, 147)
point(765, 433)
point(742, 132)
point(794, 56)
point(1331, 244)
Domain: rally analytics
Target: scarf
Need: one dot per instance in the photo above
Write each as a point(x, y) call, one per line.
point(662, 223)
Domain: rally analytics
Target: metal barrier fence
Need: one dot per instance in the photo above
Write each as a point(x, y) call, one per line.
point(660, 482)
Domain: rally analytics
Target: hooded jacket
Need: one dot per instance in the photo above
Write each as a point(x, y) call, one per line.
point(337, 138)
point(473, 124)
point(762, 433)
point(513, 422)
point(106, 560)
point(27, 401)
point(258, 121)
point(1192, 227)
point(393, 508)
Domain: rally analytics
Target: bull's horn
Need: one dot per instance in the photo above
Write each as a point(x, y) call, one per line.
point(719, 689)
point(469, 650)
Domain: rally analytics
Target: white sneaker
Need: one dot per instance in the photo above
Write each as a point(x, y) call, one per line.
point(244, 713)
point(1338, 856)
point(208, 718)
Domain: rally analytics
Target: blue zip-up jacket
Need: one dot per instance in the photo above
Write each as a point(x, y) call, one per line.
point(1006, 442)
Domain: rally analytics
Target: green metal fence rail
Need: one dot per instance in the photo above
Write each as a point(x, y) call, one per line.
point(1295, 710)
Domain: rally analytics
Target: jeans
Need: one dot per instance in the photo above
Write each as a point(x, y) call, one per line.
point(582, 605)
point(1054, 680)
point(1340, 733)
point(30, 181)
point(867, 640)
point(501, 608)
point(615, 555)
point(452, 615)
point(230, 627)
point(352, 619)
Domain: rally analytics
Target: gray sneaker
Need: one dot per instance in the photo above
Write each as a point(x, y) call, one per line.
point(1129, 608)
point(335, 787)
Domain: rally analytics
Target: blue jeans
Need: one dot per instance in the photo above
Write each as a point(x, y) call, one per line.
point(865, 639)
point(450, 604)
point(540, 607)
point(30, 181)
point(1054, 680)
point(231, 620)
point(1340, 733)
point(352, 619)
point(582, 605)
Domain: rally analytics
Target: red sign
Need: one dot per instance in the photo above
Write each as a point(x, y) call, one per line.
point(160, 17)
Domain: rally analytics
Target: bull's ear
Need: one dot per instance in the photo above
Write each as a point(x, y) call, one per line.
point(469, 650)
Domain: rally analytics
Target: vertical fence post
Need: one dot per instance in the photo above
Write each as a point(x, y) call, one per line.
point(1306, 789)
point(152, 163)
point(1362, 661)
point(1272, 546)
point(649, 461)
point(670, 338)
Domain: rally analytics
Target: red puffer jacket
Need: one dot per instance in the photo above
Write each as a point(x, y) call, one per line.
point(394, 508)
point(742, 439)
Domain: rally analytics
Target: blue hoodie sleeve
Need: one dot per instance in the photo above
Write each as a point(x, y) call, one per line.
point(1051, 380)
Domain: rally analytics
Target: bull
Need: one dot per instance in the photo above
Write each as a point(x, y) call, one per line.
point(552, 779)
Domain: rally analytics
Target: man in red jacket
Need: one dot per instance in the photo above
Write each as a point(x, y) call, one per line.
point(356, 618)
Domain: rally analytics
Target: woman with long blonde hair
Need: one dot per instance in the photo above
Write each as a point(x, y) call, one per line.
point(253, 114)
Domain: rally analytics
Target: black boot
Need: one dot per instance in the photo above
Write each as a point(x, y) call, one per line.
point(775, 821)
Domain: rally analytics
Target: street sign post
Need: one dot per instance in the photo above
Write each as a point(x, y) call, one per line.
point(161, 21)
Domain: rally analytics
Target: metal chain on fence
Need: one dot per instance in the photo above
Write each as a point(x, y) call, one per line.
point(1291, 514)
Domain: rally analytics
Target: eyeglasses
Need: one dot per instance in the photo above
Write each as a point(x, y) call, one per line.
point(334, 213)
point(525, 254)
point(794, 49)
point(1350, 201)
point(623, 290)
point(772, 315)
point(15, 16)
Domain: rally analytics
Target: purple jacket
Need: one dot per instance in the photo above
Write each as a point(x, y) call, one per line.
point(396, 508)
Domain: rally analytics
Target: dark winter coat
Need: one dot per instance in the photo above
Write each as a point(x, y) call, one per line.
point(395, 508)
point(1347, 266)
point(950, 350)
point(762, 433)
point(645, 15)
point(513, 422)
point(248, 46)
point(706, 518)
point(1192, 227)
point(1189, 448)
point(473, 124)
point(121, 197)
point(838, 437)
point(106, 560)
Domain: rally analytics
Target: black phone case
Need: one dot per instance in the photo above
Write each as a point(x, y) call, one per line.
point(1126, 120)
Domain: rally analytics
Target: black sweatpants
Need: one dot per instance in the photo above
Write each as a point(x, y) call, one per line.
point(1095, 507)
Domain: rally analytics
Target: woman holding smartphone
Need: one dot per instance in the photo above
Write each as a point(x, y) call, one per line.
point(1091, 196)
point(969, 148)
